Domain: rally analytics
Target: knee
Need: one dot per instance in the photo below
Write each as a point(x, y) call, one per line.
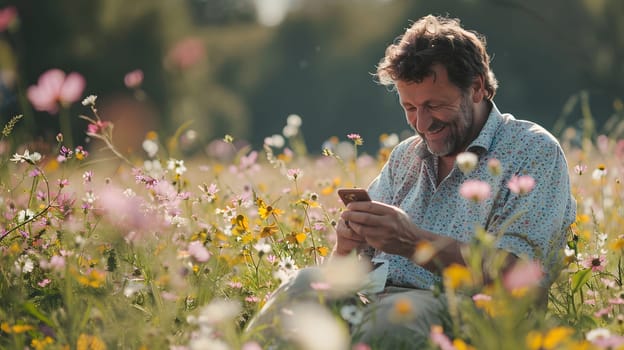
point(402, 318)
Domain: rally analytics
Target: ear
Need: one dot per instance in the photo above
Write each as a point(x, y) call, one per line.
point(478, 89)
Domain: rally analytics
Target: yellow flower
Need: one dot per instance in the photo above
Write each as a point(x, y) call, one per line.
point(403, 306)
point(268, 231)
point(151, 135)
point(300, 237)
point(51, 166)
point(15, 248)
point(519, 292)
point(266, 210)
point(460, 345)
point(218, 168)
point(220, 236)
point(247, 238)
point(583, 218)
point(330, 188)
point(21, 328)
point(94, 279)
point(456, 276)
point(90, 342)
point(534, 340)
point(40, 344)
point(200, 236)
point(494, 307)
point(581, 345)
point(323, 251)
point(241, 225)
point(549, 340)
point(17, 329)
point(617, 244)
point(424, 252)
point(402, 310)
point(284, 157)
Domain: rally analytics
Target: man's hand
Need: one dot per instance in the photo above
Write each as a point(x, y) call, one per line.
point(347, 240)
point(384, 227)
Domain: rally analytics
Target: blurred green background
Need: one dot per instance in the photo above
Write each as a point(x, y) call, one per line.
point(251, 63)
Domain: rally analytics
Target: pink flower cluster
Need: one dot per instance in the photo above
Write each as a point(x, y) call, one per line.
point(475, 190)
point(521, 184)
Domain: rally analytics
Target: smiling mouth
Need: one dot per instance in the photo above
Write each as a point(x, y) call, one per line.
point(436, 129)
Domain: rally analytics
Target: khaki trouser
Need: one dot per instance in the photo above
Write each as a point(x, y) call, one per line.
point(394, 319)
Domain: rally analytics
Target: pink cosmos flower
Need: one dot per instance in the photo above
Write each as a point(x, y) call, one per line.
point(524, 274)
point(97, 127)
point(249, 161)
point(7, 15)
point(235, 284)
point(610, 284)
point(475, 190)
point(294, 174)
point(481, 297)
point(126, 212)
point(252, 299)
point(616, 301)
point(133, 79)
point(521, 184)
point(169, 296)
point(614, 341)
point(55, 87)
point(354, 137)
point(44, 282)
point(494, 166)
point(272, 259)
point(579, 169)
point(197, 250)
point(57, 263)
point(186, 53)
point(440, 339)
point(594, 262)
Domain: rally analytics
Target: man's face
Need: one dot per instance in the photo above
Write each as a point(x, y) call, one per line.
point(439, 112)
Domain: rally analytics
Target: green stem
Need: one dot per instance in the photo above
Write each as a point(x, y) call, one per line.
point(66, 128)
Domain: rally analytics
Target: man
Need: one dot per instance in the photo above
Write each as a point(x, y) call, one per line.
point(446, 88)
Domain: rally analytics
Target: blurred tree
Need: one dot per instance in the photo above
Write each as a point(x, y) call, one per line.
point(213, 63)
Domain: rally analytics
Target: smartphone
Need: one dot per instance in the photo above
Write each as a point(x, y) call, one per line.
point(348, 195)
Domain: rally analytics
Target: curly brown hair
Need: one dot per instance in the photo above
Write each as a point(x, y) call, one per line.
point(438, 40)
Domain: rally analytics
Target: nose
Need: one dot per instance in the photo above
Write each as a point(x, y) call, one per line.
point(423, 120)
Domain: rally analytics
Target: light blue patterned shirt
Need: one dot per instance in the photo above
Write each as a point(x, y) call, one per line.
point(408, 181)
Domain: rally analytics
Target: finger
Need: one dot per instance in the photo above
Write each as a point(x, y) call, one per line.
point(362, 218)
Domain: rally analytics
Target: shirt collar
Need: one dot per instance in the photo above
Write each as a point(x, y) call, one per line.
point(486, 135)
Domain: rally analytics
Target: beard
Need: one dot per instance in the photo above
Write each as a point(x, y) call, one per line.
point(460, 128)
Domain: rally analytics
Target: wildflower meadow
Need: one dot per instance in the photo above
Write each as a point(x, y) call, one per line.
point(104, 250)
